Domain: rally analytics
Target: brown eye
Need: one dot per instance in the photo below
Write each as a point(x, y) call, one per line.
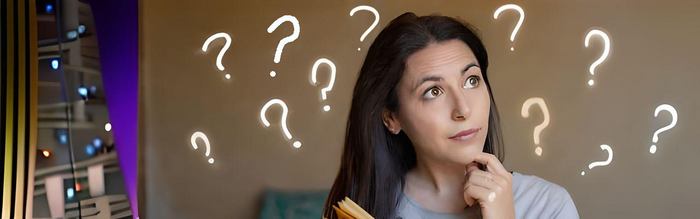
point(432, 93)
point(472, 82)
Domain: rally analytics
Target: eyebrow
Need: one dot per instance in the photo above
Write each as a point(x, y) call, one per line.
point(438, 78)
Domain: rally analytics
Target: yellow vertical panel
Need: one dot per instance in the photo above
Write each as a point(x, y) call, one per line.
point(33, 76)
point(7, 178)
point(21, 109)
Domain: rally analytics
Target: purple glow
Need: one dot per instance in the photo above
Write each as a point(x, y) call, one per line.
point(116, 22)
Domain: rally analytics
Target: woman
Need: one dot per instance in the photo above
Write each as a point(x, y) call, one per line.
point(423, 137)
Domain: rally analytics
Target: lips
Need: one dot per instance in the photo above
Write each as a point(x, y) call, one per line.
point(465, 135)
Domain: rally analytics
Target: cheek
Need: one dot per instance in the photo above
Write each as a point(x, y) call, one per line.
point(486, 106)
point(420, 122)
point(484, 102)
point(484, 112)
point(423, 122)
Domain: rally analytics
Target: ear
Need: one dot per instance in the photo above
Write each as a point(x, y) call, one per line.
point(390, 120)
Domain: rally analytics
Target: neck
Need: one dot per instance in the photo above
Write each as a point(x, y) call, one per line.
point(441, 178)
point(437, 182)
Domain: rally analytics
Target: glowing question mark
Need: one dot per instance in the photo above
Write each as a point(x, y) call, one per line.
point(223, 50)
point(520, 21)
point(674, 114)
point(376, 19)
point(525, 113)
point(605, 52)
point(284, 41)
point(601, 163)
point(330, 84)
point(201, 135)
point(296, 144)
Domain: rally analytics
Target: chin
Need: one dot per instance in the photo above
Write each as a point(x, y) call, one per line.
point(466, 154)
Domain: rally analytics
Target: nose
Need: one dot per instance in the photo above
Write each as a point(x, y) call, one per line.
point(462, 110)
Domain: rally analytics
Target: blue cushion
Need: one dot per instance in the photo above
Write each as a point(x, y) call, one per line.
point(281, 204)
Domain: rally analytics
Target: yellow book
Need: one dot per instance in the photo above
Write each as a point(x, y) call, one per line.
point(348, 209)
point(341, 214)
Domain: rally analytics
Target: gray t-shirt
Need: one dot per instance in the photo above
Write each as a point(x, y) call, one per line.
point(533, 197)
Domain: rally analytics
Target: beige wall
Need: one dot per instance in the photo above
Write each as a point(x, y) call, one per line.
point(654, 60)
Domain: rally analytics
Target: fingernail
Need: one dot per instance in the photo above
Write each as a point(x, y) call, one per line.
point(469, 201)
point(492, 196)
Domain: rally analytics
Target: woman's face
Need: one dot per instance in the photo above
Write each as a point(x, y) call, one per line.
point(442, 94)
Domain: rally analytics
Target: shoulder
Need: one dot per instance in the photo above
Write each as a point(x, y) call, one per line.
point(535, 197)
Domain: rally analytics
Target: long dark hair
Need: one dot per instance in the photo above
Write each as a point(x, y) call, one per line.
point(374, 161)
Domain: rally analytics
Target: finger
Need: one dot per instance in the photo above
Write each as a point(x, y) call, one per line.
point(494, 178)
point(471, 167)
point(467, 197)
point(492, 163)
point(484, 179)
point(479, 193)
point(470, 201)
